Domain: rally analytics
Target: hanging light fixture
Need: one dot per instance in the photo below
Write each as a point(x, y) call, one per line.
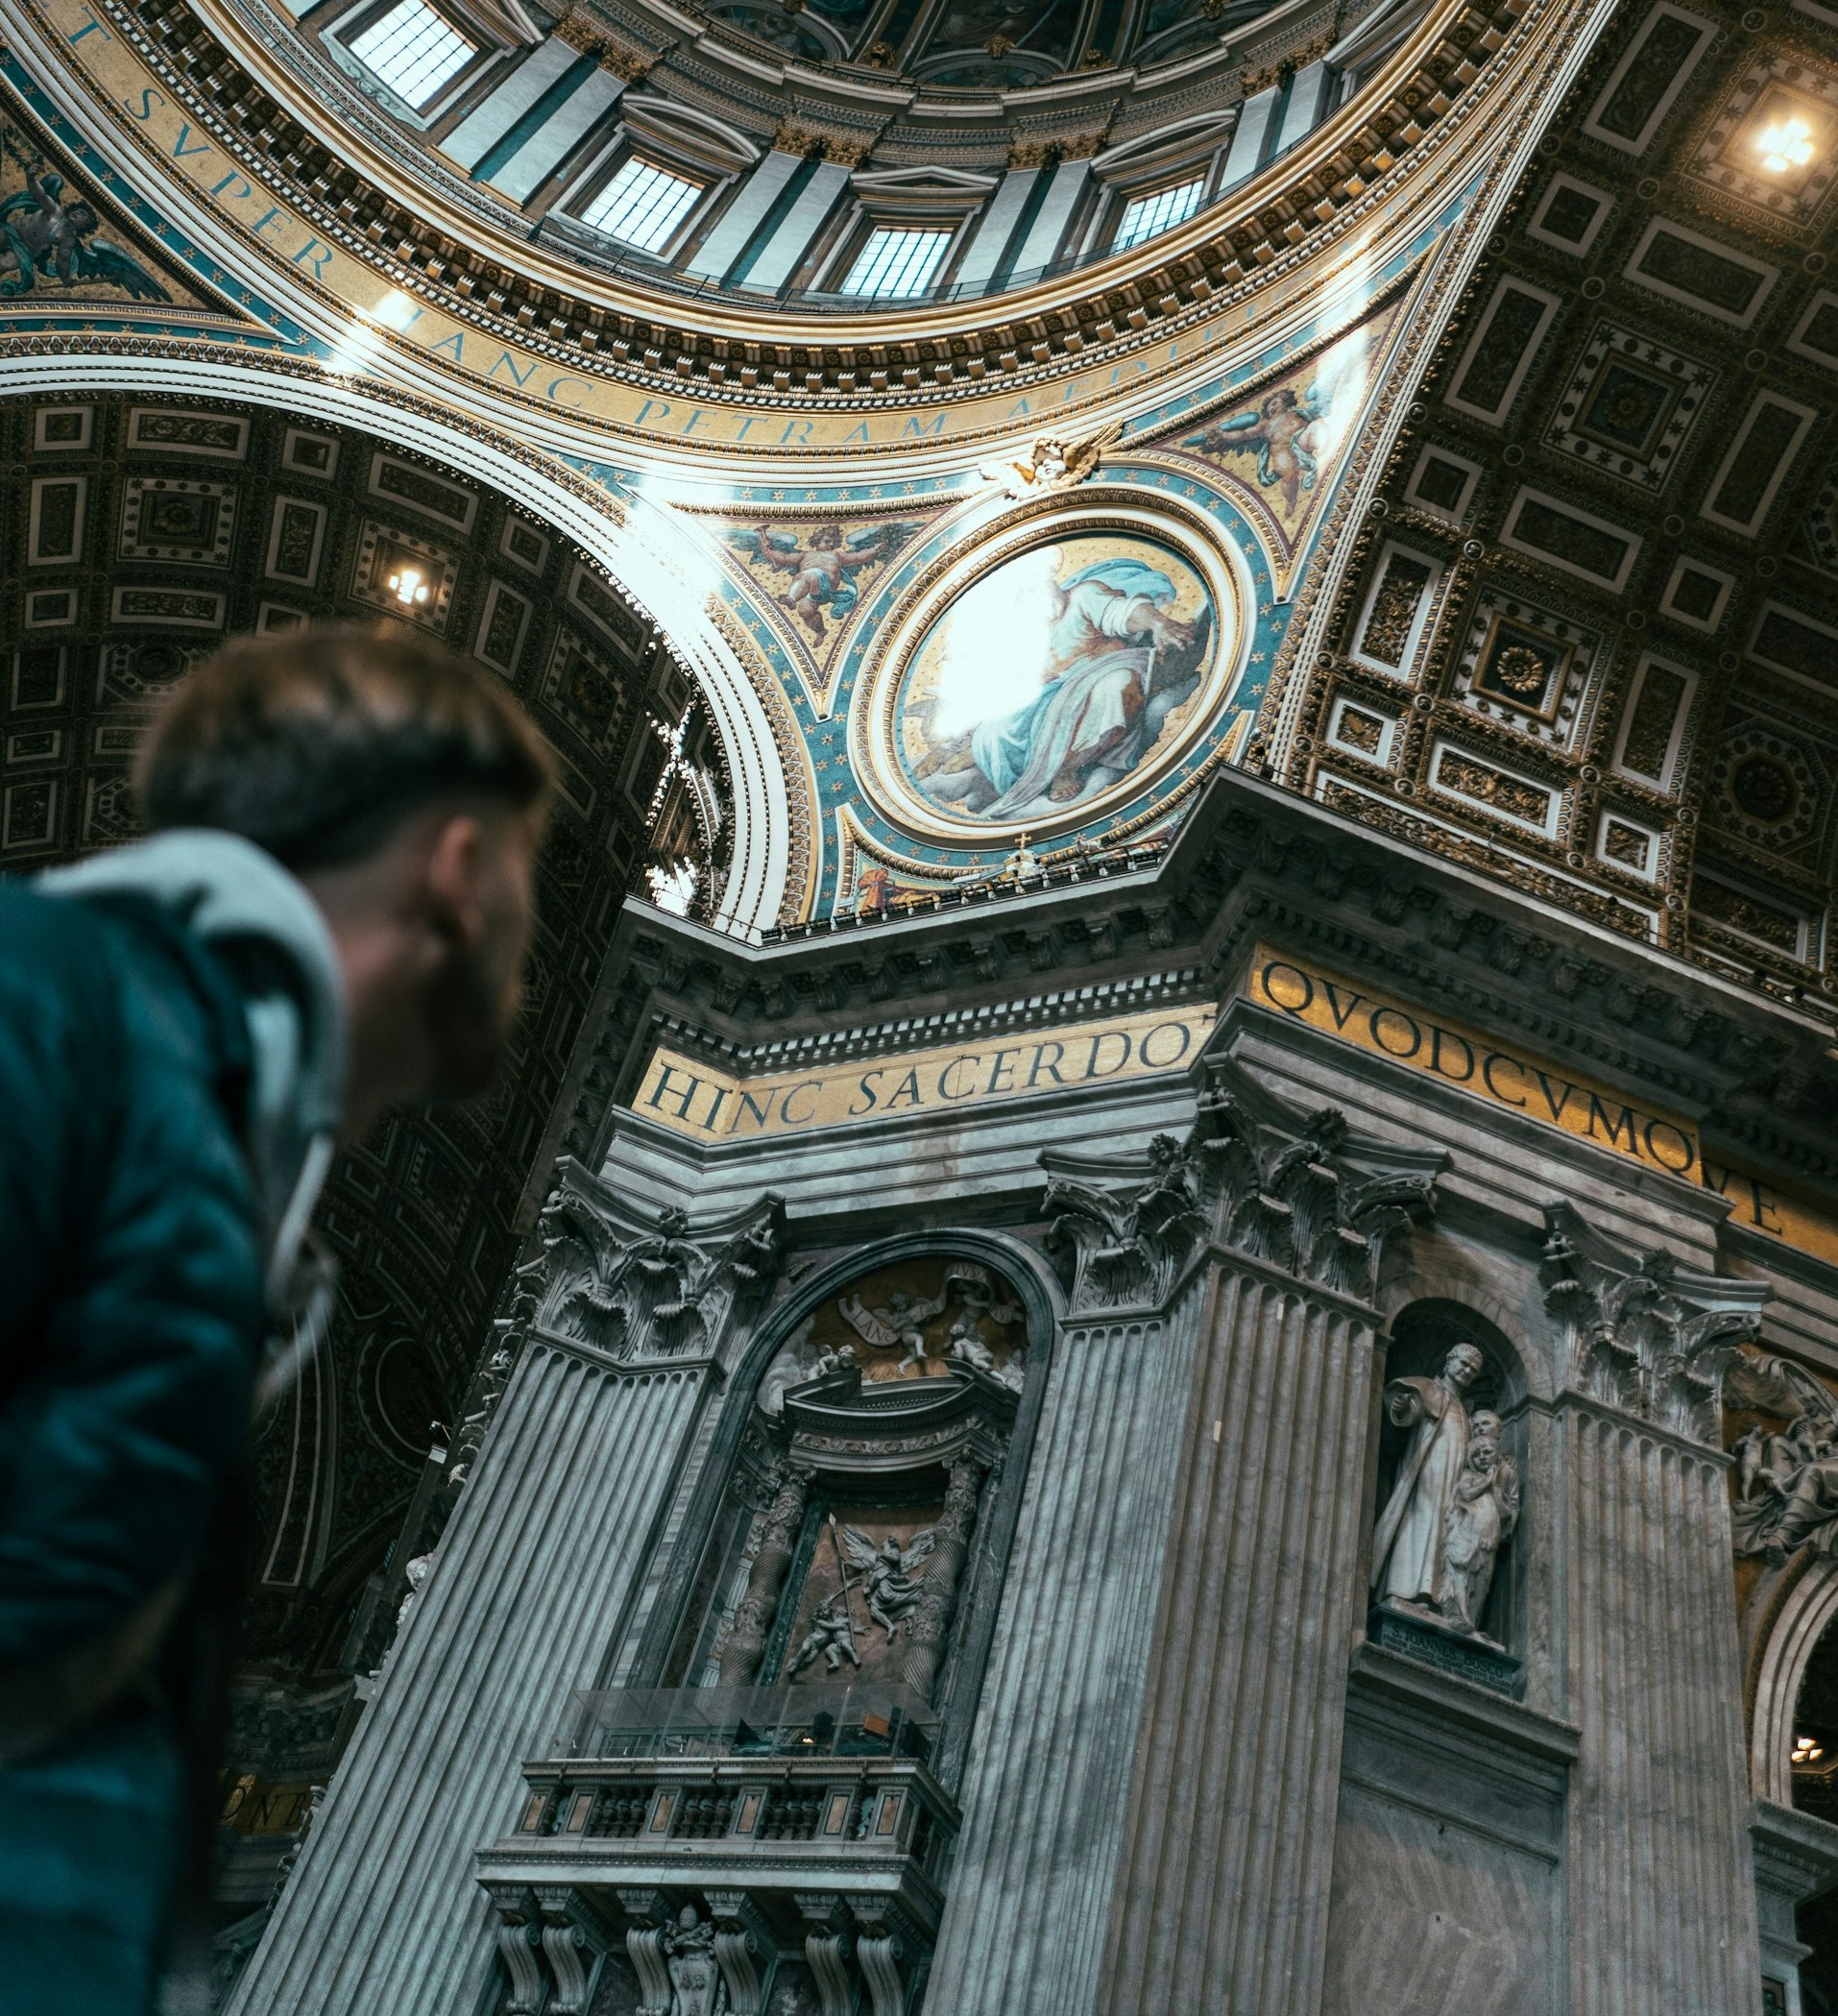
point(408, 588)
point(1808, 1750)
point(1786, 143)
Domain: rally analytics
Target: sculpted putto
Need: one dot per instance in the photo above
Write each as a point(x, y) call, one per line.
point(1455, 1502)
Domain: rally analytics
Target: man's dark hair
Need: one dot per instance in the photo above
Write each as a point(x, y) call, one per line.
point(317, 743)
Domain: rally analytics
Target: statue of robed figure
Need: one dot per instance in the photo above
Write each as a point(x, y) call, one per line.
point(1410, 1549)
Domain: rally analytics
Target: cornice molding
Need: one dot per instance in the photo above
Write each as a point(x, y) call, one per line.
point(1378, 165)
point(1255, 862)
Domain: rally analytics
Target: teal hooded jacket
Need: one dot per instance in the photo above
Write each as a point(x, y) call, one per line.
point(171, 1032)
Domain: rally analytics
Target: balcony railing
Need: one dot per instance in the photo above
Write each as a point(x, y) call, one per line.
point(750, 1828)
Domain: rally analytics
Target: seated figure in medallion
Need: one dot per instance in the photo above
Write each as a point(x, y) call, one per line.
point(1117, 663)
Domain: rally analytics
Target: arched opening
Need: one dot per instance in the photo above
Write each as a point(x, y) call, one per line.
point(1794, 1747)
point(663, 581)
point(157, 517)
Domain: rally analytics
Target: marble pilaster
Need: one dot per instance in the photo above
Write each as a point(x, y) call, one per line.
point(541, 1558)
point(1229, 1847)
point(1659, 1807)
point(1228, 1851)
point(1048, 1777)
point(381, 1913)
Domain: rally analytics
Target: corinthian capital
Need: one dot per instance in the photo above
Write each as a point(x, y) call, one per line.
point(1302, 1193)
point(1126, 1245)
point(1646, 1333)
point(634, 1288)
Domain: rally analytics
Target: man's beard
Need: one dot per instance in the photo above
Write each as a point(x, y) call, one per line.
point(468, 1014)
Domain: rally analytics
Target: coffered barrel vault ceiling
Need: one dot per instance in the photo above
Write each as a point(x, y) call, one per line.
point(1589, 635)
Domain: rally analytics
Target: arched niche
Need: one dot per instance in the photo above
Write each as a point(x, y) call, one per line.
point(1797, 1622)
point(891, 1399)
point(1421, 1335)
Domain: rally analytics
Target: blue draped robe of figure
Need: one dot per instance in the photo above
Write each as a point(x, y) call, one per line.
point(1092, 666)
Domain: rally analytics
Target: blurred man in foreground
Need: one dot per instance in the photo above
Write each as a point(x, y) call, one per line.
point(331, 914)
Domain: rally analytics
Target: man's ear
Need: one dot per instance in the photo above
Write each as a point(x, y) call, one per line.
point(453, 878)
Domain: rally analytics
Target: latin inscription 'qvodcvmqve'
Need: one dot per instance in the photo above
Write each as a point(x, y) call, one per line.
point(1476, 1064)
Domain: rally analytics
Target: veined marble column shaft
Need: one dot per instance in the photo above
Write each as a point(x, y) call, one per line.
point(382, 1916)
point(1661, 1867)
point(1045, 1792)
point(1229, 1847)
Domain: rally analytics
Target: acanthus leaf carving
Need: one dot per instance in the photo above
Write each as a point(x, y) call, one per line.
point(1295, 1199)
point(1647, 1334)
point(660, 1291)
point(1297, 1192)
point(1129, 1248)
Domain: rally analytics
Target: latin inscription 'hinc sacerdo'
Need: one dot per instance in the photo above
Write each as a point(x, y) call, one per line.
point(691, 1098)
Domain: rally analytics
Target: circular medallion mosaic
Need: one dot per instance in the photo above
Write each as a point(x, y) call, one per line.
point(1057, 676)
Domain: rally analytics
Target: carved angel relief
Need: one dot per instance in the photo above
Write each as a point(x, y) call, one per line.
point(886, 1416)
point(1786, 1476)
point(924, 1320)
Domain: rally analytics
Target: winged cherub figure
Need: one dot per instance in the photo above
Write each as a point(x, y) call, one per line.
point(898, 1324)
point(823, 567)
point(1053, 463)
point(893, 1588)
point(42, 235)
point(1278, 433)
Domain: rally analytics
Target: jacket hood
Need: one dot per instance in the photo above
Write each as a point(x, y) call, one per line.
point(227, 891)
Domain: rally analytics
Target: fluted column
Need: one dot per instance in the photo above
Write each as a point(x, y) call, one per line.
point(382, 1916)
point(1228, 1848)
point(1661, 1872)
point(1175, 1780)
point(1049, 1772)
point(1661, 1877)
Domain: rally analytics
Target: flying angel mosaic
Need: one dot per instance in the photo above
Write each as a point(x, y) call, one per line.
point(51, 234)
point(823, 563)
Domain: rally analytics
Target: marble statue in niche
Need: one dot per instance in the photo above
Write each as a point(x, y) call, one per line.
point(1480, 1521)
point(1057, 676)
point(921, 1319)
point(1455, 1502)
